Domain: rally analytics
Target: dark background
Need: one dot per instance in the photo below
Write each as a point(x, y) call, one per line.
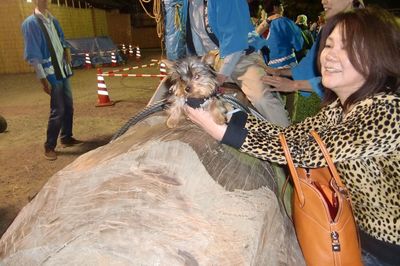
point(293, 7)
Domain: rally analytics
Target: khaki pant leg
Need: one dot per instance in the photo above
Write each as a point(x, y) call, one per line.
point(248, 74)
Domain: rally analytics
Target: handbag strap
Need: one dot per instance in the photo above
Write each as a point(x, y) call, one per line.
point(292, 169)
point(328, 159)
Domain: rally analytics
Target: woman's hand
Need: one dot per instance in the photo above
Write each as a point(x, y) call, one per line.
point(204, 120)
point(280, 83)
point(285, 84)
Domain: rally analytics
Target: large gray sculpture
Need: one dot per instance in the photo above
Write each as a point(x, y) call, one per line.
point(156, 196)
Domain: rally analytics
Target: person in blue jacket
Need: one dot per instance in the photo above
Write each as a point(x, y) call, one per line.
point(305, 76)
point(284, 37)
point(47, 51)
point(225, 26)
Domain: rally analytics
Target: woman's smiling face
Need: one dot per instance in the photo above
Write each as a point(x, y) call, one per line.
point(338, 74)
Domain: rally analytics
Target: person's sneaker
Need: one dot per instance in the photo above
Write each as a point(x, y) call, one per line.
point(70, 142)
point(50, 154)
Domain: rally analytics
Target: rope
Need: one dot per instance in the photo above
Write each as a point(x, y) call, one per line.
point(157, 16)
point(177, 18)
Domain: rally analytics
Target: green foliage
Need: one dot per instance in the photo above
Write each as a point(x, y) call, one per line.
point(305, 107)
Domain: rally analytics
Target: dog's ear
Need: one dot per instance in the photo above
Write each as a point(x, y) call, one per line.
point(168, 63)
point(208, 59)
point(173, 76)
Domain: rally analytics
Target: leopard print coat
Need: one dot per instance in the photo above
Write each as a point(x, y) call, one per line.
point(365, 146)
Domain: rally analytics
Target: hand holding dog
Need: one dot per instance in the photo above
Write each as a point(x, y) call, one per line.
point(205, 120)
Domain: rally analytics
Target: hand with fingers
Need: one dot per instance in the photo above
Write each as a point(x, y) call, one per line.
point(46, 86)
point(204, 120)
point(284, 84)
point(280, 83)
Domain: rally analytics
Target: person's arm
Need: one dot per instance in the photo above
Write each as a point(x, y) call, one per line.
point(41, 75)
point(205, 121)
point(305, 76)
point(46, 85)
point(262, 27)
point(67, 55)
point(278, 71)
point(297, 39)
point(31, 34)
point(287, 85)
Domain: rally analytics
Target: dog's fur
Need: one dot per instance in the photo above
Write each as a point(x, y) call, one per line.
point(193, 78)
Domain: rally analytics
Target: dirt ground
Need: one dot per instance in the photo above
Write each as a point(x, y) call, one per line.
point(24, 105)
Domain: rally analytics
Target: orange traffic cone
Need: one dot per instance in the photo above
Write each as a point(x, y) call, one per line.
point(163, 69)
point(102, 93)
point(113, 60)
point(88, 63)
point(138, 55)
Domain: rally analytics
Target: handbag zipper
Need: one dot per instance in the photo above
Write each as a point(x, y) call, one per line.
point(335, 241)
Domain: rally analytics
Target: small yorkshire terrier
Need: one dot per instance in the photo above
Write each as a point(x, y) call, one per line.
point(194, 82)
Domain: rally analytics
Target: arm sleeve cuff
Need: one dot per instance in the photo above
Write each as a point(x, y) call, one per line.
point(236, 133)
point(317, 86)
point(40, 74)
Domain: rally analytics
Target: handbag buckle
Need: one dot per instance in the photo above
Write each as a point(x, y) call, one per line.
point(335, 241)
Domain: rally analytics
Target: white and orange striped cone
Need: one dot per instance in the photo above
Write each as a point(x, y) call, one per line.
point(113, 60)
point(102, 93)
point(123, 48)
point(163, 69)
point(138, 55)
point(130, 50)
point(88, 62)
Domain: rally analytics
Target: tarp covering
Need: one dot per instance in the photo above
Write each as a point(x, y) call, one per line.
point(99, 49)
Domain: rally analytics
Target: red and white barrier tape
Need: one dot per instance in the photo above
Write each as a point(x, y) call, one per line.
point(130, 68)
point(132, 75)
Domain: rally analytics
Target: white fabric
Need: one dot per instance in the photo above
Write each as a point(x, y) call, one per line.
point(202, 42)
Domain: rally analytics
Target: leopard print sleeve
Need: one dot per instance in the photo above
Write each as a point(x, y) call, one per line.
point(262, 139)
point(370, 129)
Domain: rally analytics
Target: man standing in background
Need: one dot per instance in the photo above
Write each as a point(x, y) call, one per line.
point(47, 51)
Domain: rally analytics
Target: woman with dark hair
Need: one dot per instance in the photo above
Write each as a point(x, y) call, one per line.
point(359, 124)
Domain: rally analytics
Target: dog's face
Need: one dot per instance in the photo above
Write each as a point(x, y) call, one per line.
point(192, 77)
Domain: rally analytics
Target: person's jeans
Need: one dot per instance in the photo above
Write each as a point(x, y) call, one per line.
point(370, 260)
point(61, 113)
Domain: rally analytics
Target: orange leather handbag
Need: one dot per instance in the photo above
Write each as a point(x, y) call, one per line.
point(322, 213)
